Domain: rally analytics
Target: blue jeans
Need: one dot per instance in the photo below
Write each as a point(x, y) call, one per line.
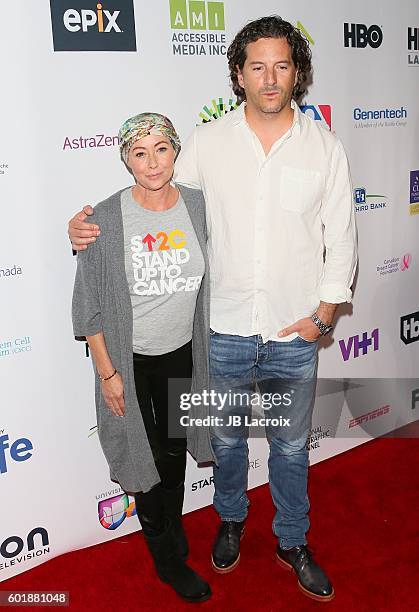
point(288, 370)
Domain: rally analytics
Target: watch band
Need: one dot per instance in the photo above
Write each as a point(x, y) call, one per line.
point(324, 329)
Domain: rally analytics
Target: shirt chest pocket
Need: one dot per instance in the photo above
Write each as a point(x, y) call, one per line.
point(299, 189)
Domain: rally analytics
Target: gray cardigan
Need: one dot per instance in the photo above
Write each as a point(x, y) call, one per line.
point(101, 302)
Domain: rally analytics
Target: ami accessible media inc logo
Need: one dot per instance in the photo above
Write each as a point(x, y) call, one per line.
point(409, 328)
point(86, 25)
point(198, 27)
point(360, 35)
point(359, 345)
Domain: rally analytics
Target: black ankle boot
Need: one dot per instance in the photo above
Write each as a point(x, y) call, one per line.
point(173, 571)
point(173, 506)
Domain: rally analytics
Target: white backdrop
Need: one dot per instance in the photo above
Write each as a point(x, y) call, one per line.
point(53, 477)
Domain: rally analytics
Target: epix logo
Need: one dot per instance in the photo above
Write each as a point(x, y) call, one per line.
point(19, 450)
point(114, 510)
point(196, 15)
point(319, 112)
point(359, 345)
point(86, 25)
point(359, 35)
point(409, 328)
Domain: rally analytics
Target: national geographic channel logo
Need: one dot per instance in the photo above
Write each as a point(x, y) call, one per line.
point(88, 25)
point(198, 27)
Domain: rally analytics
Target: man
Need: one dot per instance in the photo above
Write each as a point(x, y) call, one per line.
point(282, 247)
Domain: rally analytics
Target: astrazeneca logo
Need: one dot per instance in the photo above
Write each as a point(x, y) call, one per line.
point(215, 109)
point(359, 345)
point(114, 510)
point(409, 328)
point(86, 25)
point(18, 450)
point(13, 546)
point(319, 112)
point(359, 35)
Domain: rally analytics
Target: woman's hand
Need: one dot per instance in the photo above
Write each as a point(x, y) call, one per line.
point(113, 392)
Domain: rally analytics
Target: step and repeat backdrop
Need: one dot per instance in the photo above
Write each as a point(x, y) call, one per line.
point(71, 72)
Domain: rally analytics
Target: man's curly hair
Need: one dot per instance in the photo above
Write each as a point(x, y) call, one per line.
point(269, 27)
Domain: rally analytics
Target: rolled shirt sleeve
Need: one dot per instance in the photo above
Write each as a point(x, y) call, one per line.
point(339, 232)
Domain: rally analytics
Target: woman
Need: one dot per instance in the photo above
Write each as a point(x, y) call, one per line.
point(141, 299)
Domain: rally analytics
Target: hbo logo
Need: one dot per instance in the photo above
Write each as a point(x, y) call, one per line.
point(359, 35)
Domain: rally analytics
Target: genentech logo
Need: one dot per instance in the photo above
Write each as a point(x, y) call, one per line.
point(359, 35)
point(409, 328)
point(357, 346)
point(198, 27)
point(319, 112)
point(413, 46)
point(86, 25)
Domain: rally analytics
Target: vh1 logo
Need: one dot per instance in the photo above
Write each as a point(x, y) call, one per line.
point(88, 25)
point(359, 345)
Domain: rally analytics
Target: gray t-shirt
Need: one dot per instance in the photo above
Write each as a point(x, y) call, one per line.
point(164, 267)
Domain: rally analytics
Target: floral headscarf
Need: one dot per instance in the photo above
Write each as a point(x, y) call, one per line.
point(142, 125)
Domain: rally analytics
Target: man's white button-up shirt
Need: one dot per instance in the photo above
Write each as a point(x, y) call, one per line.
point(282, 232)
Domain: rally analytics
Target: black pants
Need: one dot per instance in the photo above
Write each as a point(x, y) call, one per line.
point(151, 373)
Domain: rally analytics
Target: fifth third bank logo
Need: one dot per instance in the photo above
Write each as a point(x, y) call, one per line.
point(88, 25)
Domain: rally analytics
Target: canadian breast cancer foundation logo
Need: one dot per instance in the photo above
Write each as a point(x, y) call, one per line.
point(365, 202)
point(409, 328)
point(413, 46)
point(215, 109)
point(319, 112)
point(114, 510)
point(86, 25)
point(19, 450)
point(395, 264)
point(198, 27)
point(414, 192)
point(357, 346)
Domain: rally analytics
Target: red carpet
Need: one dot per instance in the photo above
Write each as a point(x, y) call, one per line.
point(364, 515)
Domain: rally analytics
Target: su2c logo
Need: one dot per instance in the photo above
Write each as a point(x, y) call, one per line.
point(88, 25)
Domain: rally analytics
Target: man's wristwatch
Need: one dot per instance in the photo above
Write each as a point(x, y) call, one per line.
point(324, 329)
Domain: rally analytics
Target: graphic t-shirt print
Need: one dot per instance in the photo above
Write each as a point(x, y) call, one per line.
point(159, 261)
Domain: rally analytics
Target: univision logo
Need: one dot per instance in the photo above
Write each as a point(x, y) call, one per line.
point(86, 25)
